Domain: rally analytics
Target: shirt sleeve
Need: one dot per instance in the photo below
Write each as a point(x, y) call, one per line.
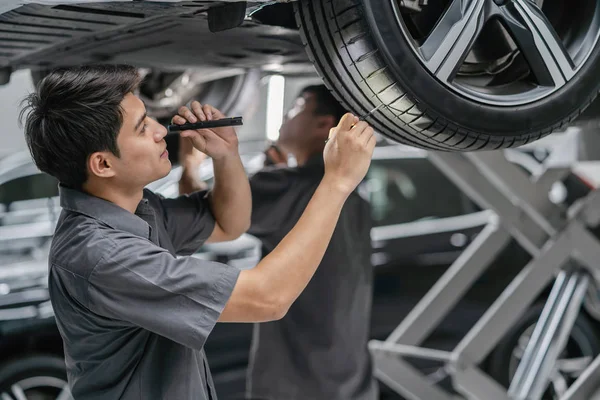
point(143, 284)
point(188, 219)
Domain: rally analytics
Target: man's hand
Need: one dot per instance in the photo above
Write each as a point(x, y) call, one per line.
point(348, 153)
point(217, 143)
point(275, 156)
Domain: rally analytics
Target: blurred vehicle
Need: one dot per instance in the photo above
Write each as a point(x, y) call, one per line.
point(28, 207)
point(422, 223)
point(454, 74)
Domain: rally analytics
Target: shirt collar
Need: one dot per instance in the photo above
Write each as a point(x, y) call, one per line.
point(109, 213)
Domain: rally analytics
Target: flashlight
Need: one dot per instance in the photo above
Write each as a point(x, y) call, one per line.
point(216, 123)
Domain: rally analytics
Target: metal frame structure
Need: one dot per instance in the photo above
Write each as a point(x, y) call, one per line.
point(562, 250)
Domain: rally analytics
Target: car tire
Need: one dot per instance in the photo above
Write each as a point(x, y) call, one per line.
point(584, 341)
point(358, 48)
point(42, 375)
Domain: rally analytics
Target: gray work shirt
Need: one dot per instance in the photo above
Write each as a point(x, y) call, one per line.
point(318, 351)
point(133, 317)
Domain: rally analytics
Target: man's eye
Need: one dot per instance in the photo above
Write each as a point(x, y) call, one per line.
point(144, 127)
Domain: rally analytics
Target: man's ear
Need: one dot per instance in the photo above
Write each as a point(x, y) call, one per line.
point(101, 164)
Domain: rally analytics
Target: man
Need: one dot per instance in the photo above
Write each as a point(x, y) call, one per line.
point(322, 341)
point(318, 351)
point(132, 315)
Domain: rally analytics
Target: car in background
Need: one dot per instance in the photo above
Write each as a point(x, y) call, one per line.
point(456, 75)
point(422, 223)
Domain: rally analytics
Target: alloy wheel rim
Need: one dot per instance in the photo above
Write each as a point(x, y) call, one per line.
point(38, 388)
point(542, 49)
point(575, 358)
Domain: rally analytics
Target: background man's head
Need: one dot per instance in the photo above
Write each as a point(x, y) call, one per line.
point(306, 125)
point(84, 123)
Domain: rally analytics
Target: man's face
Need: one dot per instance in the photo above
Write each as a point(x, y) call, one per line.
point(299, 123)
point(143, 150)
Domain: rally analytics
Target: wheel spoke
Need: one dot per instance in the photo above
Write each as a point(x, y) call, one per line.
point(573, 366)
point(542, 48)
point(452, 38)
point(559, 384)
point(65, 394)
point(18, 392)
point(5, 396)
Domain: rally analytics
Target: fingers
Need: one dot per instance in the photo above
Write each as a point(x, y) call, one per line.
point(187, 114)
point(367, 134)
point(198, 141)
point(202, 138)
point(216, 113)
point(275, 155)
point(188, 134)
point(360, 131)
point(198, 110)
point(347, 121)
point(178, 119)
point(371, 143)
point(360, 127)
point(332, 134)
point(207, 134)
point(208, 111)
point(211, 112)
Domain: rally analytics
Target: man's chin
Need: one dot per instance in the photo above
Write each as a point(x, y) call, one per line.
point(163, 172)
point(167, 170)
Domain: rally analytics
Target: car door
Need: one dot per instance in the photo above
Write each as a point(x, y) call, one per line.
point(420, 217)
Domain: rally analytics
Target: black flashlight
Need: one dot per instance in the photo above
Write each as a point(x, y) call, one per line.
point(216, 123)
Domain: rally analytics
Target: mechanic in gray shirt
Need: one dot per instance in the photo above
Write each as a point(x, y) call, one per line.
point(322, 341)
point(133, 308)
point(321, 344)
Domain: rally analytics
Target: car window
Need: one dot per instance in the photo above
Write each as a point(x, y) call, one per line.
point(411, 189)
point(31, 187)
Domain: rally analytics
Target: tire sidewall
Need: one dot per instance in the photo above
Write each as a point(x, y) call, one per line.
point(31, 366)
point(468, 114)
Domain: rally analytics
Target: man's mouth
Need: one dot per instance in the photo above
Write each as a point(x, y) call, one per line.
point(165, 154)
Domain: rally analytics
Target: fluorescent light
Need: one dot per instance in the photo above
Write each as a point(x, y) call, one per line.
point(275, 92)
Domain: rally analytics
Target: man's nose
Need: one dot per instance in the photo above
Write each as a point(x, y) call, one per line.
point(160, 132)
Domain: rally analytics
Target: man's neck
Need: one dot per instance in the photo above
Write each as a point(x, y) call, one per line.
point(302, 157)
point(129, 200)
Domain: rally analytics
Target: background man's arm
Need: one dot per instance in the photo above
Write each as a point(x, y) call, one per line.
point(230, 199)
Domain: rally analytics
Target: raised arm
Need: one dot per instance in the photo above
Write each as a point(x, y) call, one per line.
point(230, 199)
point(267, 291)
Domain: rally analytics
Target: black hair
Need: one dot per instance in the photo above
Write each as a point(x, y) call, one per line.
point(75, 112)
point(327, 104)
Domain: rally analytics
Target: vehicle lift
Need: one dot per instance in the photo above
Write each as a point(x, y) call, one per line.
point(562, 250)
